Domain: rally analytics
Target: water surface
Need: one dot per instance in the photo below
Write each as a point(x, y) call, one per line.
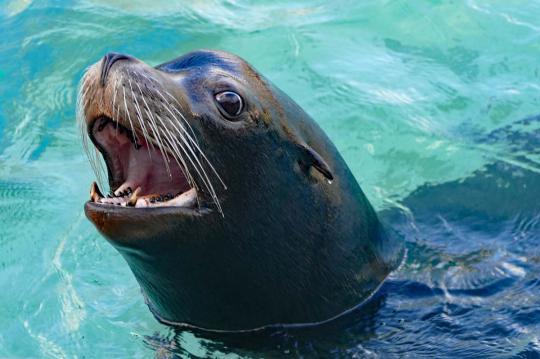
point(433, 104)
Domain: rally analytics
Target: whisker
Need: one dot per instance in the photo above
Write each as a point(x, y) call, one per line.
point(186, 143)
point(116, 119)
point(196, 144)
point(82, 102)
point(113, 105)
point(191, 139)
point(152, 121)
point(177, 156)
point(183, 166)
point(139, 118)
point(207, 180)
point(129, 116)
point(158, 139)
point(169, 137)
point(204, 177)
point(151, 80)
point(139, 109)
point(183, 118)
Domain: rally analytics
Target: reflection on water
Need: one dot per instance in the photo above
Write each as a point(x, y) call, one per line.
point(433, 105)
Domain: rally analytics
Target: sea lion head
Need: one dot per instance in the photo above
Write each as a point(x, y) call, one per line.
point(231, 206)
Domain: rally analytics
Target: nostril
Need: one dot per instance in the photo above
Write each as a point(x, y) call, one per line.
point(108, 60)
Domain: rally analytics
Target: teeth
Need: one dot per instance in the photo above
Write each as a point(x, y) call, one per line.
point(186, 199)
point(134, 197)
point(123, 190)
point(117, 201)
point(95, 193)
point(126, 197)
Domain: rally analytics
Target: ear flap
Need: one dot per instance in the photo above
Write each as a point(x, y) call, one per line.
point(313, 159)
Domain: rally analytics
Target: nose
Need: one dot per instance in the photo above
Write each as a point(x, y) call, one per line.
point(108, 60)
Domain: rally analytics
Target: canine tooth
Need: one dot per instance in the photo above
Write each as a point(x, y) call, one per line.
point(133, 199)
point(122, 190)
point(95, 193)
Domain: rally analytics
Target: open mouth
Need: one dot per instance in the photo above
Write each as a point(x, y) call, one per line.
point(140, 174)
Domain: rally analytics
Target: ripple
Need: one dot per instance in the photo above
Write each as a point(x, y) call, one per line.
point(434, 107)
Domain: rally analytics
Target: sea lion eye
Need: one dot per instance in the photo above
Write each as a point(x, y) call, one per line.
point(230, 103)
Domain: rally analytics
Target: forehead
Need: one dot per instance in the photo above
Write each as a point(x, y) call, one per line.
point(210, 69)
point(203, 59)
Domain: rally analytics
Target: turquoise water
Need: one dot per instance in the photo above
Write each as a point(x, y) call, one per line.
point(433, 104)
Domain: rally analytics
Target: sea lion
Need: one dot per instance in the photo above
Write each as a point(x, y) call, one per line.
point(231, 206)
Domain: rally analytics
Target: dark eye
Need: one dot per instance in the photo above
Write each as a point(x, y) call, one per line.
point(230, 103)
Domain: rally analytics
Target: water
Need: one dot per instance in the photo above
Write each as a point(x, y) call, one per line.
point(431, 103)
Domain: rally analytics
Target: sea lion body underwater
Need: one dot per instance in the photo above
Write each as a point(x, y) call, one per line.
point(232, 208)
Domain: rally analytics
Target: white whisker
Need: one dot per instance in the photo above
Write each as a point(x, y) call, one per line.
point(207, 181)
point(140, 120)
point(129, 116)
point(171, 141)
point(158, 139)
point(191, 139)
point(183, 118)
point(178, 158)
point(83, 100)
point(146, 134)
